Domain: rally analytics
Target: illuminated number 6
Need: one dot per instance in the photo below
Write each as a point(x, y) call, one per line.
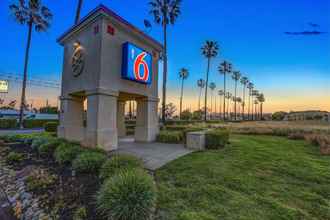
point(137, 63)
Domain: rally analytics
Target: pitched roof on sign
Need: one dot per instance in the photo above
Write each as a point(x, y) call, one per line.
point(106, 10)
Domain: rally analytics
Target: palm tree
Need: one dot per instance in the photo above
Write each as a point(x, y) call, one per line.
point(250, 86)
point(184, 73)
point(201, 85)
point(165, 12)
point(239, 101)
point(220, 93)
point(32, 14)
point(244, 81)
point(236, 76)
point(255, 94)
point(224, 68)
point(256, 109)
point(228, 96)
point(76, 20)
point(209, 50)
point(261, 99)
point(212, 87)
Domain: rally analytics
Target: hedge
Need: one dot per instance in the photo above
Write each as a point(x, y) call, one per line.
point(51, 126)
point(37, 123)
point(8, 123)
point(215, 139)
point(172, 137)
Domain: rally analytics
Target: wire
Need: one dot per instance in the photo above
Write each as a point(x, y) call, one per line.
point(31, 81)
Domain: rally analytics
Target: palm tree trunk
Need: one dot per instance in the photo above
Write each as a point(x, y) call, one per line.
point(228, 103)
point(252, 106)
point(181, 99)
point(220, 108)
point(199, 99)
point(76, 20)
point(164, 72)
point(224, 97)
point(206, 86)
point(21, 112)
point(235, 100)
point(261, 110)
point(243, 106)
point(249, 106)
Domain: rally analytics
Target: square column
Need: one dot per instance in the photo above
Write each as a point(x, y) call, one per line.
point(121, 119)
point(71, 119)
point(147, 128)
point(101, 121)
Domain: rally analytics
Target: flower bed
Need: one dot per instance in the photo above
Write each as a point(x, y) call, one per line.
point(49, 178)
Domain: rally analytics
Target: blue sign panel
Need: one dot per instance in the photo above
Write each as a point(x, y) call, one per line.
point(137, 64)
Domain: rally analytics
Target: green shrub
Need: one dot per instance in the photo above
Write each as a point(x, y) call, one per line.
point(88, 162)
point(66, 153)
point(8, 123)
point(176, 127)
point(37, 142)
point(131, 194)
point(195, 216)
point(25, 138)
point(80, 214)
point(173, 137)
point(51, 126)
point(50, 146)
point(14, 158)
point(119, 163)
point(39, 180)
point(36, 123)
point(217, 138)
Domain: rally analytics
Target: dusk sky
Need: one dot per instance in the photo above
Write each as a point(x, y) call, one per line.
point(293, 71)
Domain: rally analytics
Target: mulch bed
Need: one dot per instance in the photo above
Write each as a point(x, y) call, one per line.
point(69, 191)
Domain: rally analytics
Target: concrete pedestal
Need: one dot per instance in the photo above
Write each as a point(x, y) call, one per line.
point(196, 140)
point(147, 128)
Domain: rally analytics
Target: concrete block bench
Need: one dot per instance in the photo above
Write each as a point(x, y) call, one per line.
point(195, 140)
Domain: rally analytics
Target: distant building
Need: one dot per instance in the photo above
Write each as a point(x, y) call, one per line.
point(308, 115)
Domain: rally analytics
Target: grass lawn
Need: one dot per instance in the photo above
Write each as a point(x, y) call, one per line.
point(256, 177)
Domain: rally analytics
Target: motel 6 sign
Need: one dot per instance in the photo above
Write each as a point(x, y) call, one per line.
point(137, 64)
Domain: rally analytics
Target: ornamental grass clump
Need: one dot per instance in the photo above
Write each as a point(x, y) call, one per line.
point(216, 139)
point(66, 153)
point(119, 163)
point(172, 137)
point(88, 162)
point(131, 194)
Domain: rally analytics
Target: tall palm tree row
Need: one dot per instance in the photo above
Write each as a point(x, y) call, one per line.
point(255, 94)
point(212, 87)
point(183, 74)
point(228, 96)
point(165, 12)
point(201, 85)
point(250, 86)
point(236, 76)
point(244, 81)
point(225, 68)
point(34, 15)
point(209, 50)
point(220, 93)
point(261, 99)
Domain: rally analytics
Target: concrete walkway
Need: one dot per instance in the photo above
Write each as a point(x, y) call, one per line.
point(154, 155)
